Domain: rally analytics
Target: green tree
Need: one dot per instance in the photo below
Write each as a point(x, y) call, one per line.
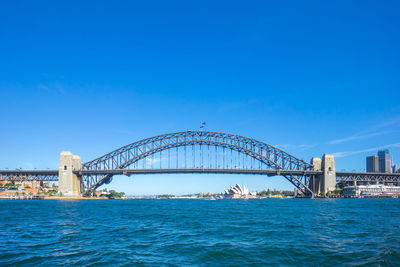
point(287, 193)
point(165, 196)
point(262, 193)
point(115, 194)
point(52, 192)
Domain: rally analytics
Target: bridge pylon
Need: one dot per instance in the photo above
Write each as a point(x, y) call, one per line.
point(315, 180)
point(325, 182)
point(69, 183)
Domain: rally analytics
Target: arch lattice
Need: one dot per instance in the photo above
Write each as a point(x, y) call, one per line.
point(267, 156)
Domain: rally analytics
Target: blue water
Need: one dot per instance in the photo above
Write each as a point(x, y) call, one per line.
point(302, 232)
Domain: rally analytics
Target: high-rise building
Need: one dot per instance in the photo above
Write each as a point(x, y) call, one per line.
point(384, 161)
point(372, 164)
point(395, 168)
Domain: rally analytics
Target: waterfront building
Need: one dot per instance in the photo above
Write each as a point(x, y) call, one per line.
point(238, 192)
point(33, 184)
point(376, 190)
point(28, 189)
point(384, 161)
point(372, 163)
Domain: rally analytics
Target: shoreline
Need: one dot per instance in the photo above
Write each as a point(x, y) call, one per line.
point(205, 198)
point(53, 198)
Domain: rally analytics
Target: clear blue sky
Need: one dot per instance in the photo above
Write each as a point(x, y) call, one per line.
point(311, 77)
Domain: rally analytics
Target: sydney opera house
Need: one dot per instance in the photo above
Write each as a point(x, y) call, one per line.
point(238, 192)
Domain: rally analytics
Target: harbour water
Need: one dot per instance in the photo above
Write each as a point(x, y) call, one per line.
point(173, 232)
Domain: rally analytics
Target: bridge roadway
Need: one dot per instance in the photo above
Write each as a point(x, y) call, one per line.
point(52, 175)
point(29, 175)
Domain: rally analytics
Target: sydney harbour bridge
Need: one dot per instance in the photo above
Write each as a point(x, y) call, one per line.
point(197, 152)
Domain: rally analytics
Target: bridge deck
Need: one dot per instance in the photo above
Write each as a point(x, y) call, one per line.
point(29, 175)
point(196, 170)
point(52, 175)
point(367, 177)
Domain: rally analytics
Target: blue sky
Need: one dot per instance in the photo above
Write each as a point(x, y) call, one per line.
point(310, 77)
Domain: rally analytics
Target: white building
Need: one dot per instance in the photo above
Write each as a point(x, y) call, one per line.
point(238, 192)
point(377, 190)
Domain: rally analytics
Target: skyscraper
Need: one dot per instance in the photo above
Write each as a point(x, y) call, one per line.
point(384, 161)
point(372, 164)
point(395, 168)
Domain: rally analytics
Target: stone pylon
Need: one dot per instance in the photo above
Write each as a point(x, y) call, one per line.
point(329, 176)
point(69, 184)
point(315, 182)
point(326, 182)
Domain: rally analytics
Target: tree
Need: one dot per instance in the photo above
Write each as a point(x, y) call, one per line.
point(165, 196)
point(52, 192)
point(287, 193)
point(115, 194)
point(262, 193)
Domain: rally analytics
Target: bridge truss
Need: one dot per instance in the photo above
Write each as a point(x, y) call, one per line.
point(29, 175)
point(196, 150)
point(368, 177)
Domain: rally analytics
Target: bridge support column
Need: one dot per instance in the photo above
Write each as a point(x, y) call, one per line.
point(326, 182)
point(329, 173)
point(69, 184)
point(316, 179)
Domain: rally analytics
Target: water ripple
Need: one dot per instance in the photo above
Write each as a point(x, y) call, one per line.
point(300, 232)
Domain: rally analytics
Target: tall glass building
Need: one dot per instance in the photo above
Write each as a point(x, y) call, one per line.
point(395, 168)
point(372, 164)
point(384, 161)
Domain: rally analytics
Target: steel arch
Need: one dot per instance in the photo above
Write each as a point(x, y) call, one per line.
point(125, 156)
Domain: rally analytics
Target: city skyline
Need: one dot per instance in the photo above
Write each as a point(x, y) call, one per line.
point(382, 162)
point(116, 74)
